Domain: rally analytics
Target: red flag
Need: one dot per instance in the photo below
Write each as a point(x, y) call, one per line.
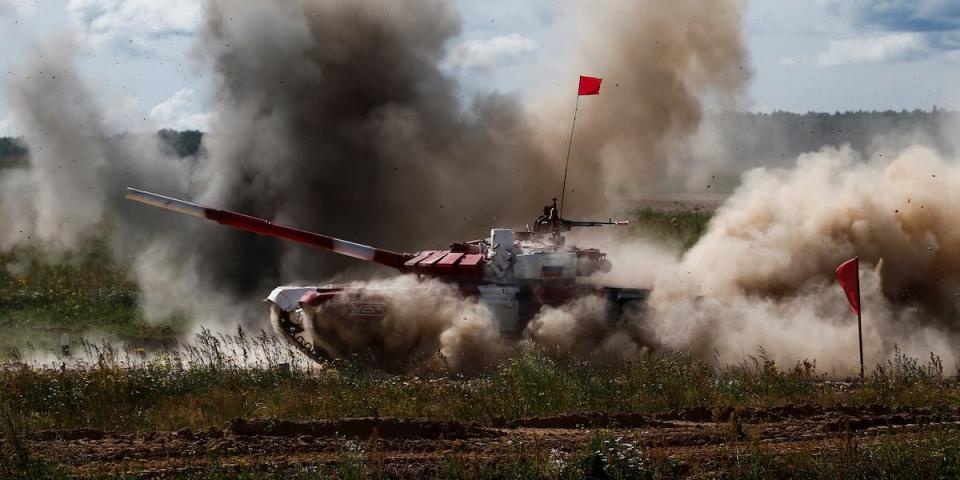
point(589, 85)
point(848, 276)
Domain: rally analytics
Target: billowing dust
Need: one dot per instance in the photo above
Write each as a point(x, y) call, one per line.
point(337, 117)
point(427, 323)
point(762, 274)
point(430, 324)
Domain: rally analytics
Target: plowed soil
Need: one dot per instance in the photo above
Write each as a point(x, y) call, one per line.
point(412, 446)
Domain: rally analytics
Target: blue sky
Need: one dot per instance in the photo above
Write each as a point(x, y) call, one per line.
point(822, 55)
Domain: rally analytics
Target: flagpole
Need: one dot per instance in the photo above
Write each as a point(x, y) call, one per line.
point(563, 190)
point(859, 318)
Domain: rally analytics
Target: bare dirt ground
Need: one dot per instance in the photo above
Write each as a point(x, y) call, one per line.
point(413, 446)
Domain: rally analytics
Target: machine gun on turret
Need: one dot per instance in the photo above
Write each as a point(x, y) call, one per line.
point(552, 223)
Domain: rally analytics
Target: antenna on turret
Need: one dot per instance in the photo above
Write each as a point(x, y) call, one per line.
point(566, 166)
point(588, 86)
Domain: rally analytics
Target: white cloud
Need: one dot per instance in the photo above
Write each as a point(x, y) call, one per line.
point(176, 113)
point(789, 62)
point(20, 8)
point(124, 114)
point(894, 47)
point(134, 21)
point(6, 127)
point(486, 54)
point(7, 6)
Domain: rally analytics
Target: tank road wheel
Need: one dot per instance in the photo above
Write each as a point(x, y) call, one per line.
point(294, 332)
point(628, 310)
point(626, 303)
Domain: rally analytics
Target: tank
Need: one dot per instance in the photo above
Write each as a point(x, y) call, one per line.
point(514, 273)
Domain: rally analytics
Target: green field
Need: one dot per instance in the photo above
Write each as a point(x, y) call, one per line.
point(84, 294)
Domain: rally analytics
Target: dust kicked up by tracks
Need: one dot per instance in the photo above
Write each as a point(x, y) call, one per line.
point(418, 446)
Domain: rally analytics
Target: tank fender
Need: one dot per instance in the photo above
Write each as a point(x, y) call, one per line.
point(288, 298)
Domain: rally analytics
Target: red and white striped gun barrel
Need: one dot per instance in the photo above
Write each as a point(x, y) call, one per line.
point(265, 227)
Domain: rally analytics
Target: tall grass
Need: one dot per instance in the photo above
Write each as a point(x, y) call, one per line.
point(16, 459)
point(218, 377)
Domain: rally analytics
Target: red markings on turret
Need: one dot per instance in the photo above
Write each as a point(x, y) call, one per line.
point(449, 260)
point(445, 262)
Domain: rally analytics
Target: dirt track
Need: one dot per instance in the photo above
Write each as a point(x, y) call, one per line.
point(410, 446)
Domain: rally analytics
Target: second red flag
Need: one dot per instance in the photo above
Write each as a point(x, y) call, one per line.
point(848, 276)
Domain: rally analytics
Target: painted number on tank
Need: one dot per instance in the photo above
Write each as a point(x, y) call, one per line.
point(359, 309)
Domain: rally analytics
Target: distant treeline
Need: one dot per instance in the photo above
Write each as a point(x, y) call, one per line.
point(11, 148)
point(766, 138)
point(747, 138)
point(180, 143)
point(184, 143)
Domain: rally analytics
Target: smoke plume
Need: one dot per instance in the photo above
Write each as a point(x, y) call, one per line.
point(336, 117)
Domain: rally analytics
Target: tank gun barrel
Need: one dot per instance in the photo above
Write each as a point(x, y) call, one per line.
point(265, 227)
point(575, 223)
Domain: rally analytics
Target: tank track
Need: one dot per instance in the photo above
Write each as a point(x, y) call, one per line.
point(293, 333)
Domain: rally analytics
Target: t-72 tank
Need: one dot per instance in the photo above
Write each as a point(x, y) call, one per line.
point(513, 273)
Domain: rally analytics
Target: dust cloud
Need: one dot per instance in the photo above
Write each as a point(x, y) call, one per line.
point(427, 324)
point(583, 329)
point(762, 274)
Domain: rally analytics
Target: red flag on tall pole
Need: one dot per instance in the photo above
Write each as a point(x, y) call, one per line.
point(589, 85)
point(848, 276)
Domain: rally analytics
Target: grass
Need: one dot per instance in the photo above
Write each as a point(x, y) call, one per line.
point(936, 455)
point(219, 377)
point(81, 293)
point(16, 460)
point(14, 161)
point(680, 228)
